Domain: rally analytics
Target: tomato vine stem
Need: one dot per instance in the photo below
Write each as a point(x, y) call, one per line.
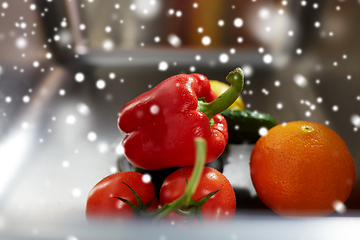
point(186, 198)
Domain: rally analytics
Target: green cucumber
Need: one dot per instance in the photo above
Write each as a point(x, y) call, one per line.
point(244, 125)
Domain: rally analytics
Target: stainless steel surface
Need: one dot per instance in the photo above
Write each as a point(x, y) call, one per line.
point(58, 133)
point(244, 227)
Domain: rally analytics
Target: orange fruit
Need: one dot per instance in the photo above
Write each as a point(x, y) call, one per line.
point(302, 169)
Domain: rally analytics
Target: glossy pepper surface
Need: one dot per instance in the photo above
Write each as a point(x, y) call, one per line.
point(161, 124)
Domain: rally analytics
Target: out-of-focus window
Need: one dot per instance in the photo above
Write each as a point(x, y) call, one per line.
point(202, 24)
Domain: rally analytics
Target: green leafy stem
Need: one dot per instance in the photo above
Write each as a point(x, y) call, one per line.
point(184, 205)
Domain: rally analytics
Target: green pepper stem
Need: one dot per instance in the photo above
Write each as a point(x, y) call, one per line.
point(222, 102)
point(185, 199)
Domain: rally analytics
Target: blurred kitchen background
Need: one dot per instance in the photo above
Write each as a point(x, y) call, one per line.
point(68, 66)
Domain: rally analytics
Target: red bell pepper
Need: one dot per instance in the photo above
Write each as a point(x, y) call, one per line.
point(161, 124)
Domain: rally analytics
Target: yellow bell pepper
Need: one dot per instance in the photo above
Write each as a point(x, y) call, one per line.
point(220, 87)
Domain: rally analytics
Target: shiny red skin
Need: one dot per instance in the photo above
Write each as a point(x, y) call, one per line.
point(165, 138)
point(100, 205)
point(221, 206)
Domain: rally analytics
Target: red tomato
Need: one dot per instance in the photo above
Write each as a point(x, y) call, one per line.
point(221, 206)
point(100, 204)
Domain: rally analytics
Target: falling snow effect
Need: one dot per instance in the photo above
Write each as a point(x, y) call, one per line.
point(154, 109)
point(112, 75)
point(36, 64)
point(163, 66)
point(65, 164)
point(61, 88)
point(263, 131)
point(76, 192)
point(174, 40)
point(146, 178)
point(224, 58)
point(103, 147)
point(267, 58)
point(71, 120)
point(83, 109)
point(25, 125)
point(355, 120)
point(248, 70)
point(238, 22)
point(71, 237)
point(157, 39)
point(206, 40)
point(100, 84)
point(339, 207)
point(300, 80)
point(108, 45)
point(92, 136)
point(21, 43)
point(79, 77)
point(26, 99)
